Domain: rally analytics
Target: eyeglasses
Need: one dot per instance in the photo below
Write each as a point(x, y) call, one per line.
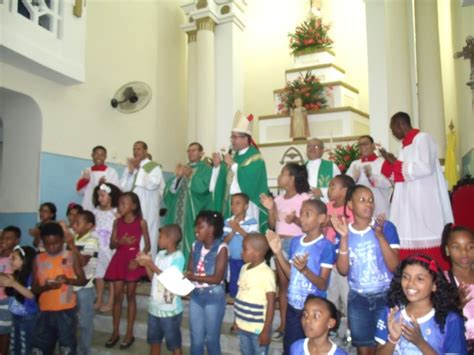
point(315, 146)
point(236, 136)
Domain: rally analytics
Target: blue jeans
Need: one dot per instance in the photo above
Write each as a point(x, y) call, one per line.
point(249, 344)
point(206, 312)
point(293, 328)
point(22, 329)
point(52, 327)
point(234, 266)
point(85, 316)
point(364, 311)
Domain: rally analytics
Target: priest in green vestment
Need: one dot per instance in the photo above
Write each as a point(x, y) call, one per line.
point(243, 171)
point(320, 171)
point(188, 193)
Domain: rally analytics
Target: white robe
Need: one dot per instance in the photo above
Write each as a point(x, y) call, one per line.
point(313, 170)
point(149, 188)
point(420, 205)
point(87, 191)
point(380, 186)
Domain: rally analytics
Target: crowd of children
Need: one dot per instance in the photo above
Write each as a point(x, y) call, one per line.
point(331, 259)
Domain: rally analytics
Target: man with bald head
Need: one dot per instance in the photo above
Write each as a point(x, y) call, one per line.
point(320, 171)
point(144, 177)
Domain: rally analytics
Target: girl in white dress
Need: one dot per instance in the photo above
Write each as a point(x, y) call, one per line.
point(105, 200)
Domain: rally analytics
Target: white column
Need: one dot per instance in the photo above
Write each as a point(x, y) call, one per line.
point(430, 86)
point(389, 64)
point(192, 86)
point(229, 78)
point(205, 75)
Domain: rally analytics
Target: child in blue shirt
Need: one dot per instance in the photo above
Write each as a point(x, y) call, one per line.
point(320, 317)
point(310, 262)
point(236, 228)
point(424, 317)
point(368, 253)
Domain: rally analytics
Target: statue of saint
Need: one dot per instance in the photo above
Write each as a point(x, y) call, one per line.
point(299, 127)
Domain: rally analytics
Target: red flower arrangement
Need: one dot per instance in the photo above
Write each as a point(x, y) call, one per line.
point(308, 88)
point(309, 36)
point(343, 156)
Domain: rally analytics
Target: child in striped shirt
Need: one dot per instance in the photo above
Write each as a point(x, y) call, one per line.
point(255, 301)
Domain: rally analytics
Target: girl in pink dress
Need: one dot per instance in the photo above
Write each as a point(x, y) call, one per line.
point(457, 244)
point(123, 269)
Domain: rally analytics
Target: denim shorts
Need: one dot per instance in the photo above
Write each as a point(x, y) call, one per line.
point(165, 327)
point(364, 311)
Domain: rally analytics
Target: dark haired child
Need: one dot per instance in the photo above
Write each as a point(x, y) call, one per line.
point(123, 269)
point(206, 269)
point(320, 317)
point(424, 312)
point(22, 303)
point(236, 229)
point(71, 213)
point(368, 254)
point(255, 302)
point(94, 176)
point(47, 213)
point(9, 239)
point(84, 242)
point(283, 217)
point(338, 187)
point(457, 244)
point(308, 266)
point(56, 271)
point(165, 310)
point(105, 199)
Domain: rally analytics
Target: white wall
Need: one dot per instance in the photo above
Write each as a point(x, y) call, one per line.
point(21, 118)
point(267, 53)
point(126, 41)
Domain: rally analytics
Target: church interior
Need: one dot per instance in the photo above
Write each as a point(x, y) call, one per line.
point(193, 63)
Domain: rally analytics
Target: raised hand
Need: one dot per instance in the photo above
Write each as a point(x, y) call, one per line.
point(216, 159)
point(291, 218)
point(86, 174)
point(464, 294)
point(228, 160)
point(413, 334)
point(368, 170)
point(143, 259)
point(274, 241)
point(267, 201)
point(178, 170)
point(300, 261)
point(6, 280)
point(394, 325)
point(234, 225)
point(378, 227)
point(127, 240)
point(187, 171)
point(316, 192)
point(356, 173)
point(387, 156)
point(340, 225)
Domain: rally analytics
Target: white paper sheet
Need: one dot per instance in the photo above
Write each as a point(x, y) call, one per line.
point(172, 280)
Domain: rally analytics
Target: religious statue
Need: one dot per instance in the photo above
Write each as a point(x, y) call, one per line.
point(299, 127)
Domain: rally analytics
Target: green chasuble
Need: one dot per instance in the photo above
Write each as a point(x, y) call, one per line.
point(191, 196)
point(325, 173)
point(252, 179)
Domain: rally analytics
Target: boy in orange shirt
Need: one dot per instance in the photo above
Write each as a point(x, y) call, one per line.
point(56, 271)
